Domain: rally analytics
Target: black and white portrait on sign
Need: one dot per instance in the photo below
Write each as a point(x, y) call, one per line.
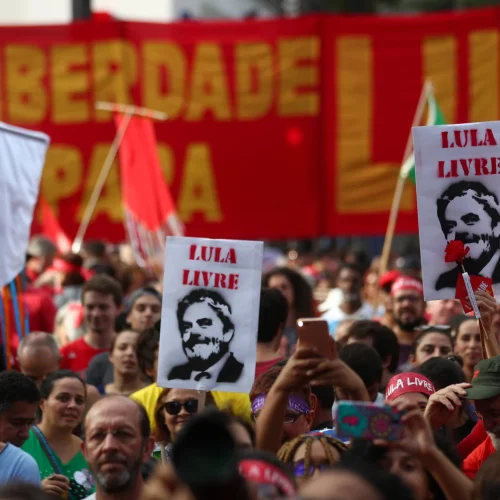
point(468, 211)
point(206, 328)
point(210, 313)
point(458, 195)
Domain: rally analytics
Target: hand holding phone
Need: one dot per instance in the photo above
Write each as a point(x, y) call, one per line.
point(314, 333)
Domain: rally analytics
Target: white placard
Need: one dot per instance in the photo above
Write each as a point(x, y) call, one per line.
point(458, 194)
point(210, 314)
point(22, 156)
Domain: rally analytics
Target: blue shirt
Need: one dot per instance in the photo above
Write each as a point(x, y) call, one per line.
point(17, 465)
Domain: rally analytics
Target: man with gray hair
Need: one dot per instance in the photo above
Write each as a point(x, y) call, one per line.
point(38, 355)
point(118, 441)
point(40, 254)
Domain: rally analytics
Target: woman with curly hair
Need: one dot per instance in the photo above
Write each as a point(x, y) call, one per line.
point(299, 295)
point(310, 454)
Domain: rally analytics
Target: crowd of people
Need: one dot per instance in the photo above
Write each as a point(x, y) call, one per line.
point(82, 417)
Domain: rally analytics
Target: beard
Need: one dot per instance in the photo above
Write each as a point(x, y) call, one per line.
point(494, 435)
point(117, 483)
point(410, 325)
point(475, 266)
point(204, 352)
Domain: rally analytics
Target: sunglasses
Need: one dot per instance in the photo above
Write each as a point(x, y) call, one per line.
point(175, 407)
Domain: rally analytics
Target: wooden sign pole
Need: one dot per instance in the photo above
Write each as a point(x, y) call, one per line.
point(128, 111)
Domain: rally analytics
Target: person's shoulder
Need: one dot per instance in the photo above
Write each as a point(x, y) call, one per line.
point(232, 361)
point(447, 279)
point(76, 344)
point(19, 459)
point(146, 393)
point(100, 359)
point(481, 452)
point(180, 371)
point(237, 402)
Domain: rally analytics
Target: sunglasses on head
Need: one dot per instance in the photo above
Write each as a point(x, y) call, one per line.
point(434, 328)
point(175, 407)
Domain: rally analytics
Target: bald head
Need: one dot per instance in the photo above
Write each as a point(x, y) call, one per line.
point(339, 485)
point(116, 405)
point(38, 355)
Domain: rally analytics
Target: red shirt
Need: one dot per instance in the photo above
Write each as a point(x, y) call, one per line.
point(476, 459)
point(41, 312)
point(77, 355)
point(41, 309)
point(472, 441)
point(262, 366)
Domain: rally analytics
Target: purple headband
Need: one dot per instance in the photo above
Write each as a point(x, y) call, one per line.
point(294, 403)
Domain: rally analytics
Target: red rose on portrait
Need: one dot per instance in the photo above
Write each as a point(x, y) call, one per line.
point(455, 251)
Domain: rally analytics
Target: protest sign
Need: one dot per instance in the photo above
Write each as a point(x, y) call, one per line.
point(458, 193)
point(210, 314)
point(22, 156)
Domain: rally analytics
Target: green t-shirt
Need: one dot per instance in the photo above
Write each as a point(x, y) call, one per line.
point(76, 470)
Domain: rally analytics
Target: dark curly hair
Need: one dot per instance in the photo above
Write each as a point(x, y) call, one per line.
point(147, 345)
point(287, 452)
point(303, 303)
point(16, 387)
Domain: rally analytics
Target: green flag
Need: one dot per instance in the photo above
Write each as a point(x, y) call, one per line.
point(434, 117)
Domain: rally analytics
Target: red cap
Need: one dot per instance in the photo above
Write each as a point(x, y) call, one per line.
point(407, 283)
point(408, 382)
point(388, 278)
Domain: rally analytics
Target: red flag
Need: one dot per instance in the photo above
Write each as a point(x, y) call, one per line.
point(51, 228)
point(149, 207)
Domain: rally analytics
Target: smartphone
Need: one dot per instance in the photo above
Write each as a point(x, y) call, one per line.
point(313, 332)
point(360, 420)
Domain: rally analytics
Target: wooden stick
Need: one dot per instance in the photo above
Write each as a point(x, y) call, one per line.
point(134, 110)
point(94, 197)
point(201, 401)
point(398, 192)
point(163, 453)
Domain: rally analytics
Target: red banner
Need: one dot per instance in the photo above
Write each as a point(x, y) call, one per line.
point(277, 129)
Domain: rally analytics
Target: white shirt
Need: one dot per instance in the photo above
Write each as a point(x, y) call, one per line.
point(366, 311)
point(214, 371)
point(91, 497)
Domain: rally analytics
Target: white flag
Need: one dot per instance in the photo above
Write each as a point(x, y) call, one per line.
point(22, 156)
